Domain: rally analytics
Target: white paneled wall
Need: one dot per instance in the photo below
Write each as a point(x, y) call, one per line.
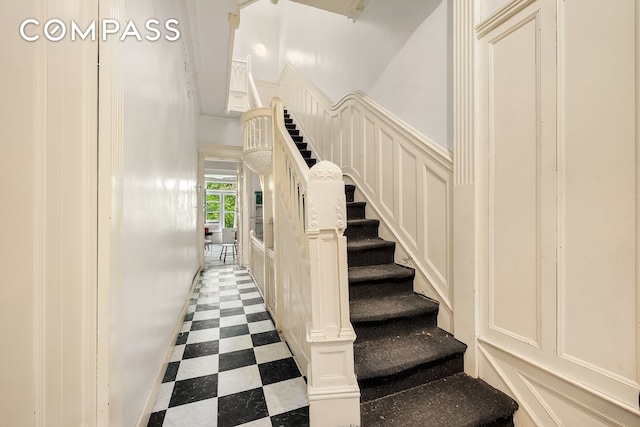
point(159, 229)
point(48, 263)
point(405, 178)
point(559, 293)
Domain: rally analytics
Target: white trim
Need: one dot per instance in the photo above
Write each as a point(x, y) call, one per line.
point(501, 16)
point(234, 23)
point(40, 227)
point(219, 152)
point(556, 374)
point(110, 198)
point(465, 190)
point(143, 419)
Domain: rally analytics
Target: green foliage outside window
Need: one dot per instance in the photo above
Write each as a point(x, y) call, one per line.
point(213, 207)
point(213, 202)
point(221, 186)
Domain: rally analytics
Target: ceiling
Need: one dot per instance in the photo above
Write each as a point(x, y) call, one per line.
point(208, 37)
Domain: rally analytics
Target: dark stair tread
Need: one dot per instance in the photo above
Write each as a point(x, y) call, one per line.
point(362, 221)
point(388, 355)
point(358, 204)
point(454, 401)
point(305, 153)
point(310, 162)
point(377, 309)
point(369, 243)
point(379, 273)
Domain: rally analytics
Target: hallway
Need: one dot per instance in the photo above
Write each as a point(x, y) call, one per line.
point(229, 366)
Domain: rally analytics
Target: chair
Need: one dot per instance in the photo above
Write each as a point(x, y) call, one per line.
point(229, 236)
point(208, 243)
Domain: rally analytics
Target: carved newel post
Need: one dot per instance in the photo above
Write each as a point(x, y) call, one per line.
point(332, 383)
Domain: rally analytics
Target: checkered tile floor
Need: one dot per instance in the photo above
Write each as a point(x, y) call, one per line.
point(229, 366)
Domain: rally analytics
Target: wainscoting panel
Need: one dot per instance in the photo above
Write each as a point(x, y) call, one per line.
point(514, 120)
point(598, 145)
point(405, 177)
point(559, 288)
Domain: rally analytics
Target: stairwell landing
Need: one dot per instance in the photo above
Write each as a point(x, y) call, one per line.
point(410, 372)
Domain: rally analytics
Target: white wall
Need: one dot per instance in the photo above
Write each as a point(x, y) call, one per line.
point(417, 84)
point(219, 131)
point(398, 53)
point(341, 56)
point(260, 24)
point(159, 213)
point(489, 7)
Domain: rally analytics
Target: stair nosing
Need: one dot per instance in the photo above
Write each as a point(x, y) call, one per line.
point(505, 411)
point(369, 243)
point(423, 308)
point(393, 368)
point(394, 272)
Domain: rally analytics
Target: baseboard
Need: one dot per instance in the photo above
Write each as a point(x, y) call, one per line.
point(143, 420)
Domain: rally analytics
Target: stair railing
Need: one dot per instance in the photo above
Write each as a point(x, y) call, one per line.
point(254, 96)
point(311, 277)
point(238, 86)
point(256, 128)
point(406, 178)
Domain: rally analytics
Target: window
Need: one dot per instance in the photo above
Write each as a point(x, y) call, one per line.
point(220, 204)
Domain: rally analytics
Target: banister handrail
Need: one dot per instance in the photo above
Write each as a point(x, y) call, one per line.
point(311, 277)
point(302, 265)
point(254, 96)
point(379, 152)
point(300, 166)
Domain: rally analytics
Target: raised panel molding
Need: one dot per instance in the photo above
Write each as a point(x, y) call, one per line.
point(378, 152)
point(436, 186)
point(514, 181)
point(501, 16)
point(606, 203)
point(548, 397)
point(562, 407)
point(386, 165)
point(408, 194)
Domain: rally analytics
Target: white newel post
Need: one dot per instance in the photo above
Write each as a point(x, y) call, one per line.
point(334, 395)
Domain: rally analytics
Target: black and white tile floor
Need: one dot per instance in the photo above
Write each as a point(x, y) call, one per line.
point(229, 366)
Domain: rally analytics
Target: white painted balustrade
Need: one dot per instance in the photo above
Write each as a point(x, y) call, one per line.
point(258, 137)
point(262, 267)
point(254, 96)
point(405, 178)
point(238, 100)
point(311, 277)
point(256, 265)
point(301, 268)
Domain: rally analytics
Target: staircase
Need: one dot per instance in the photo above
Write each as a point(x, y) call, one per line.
point(298, 139)
point(410, 372)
